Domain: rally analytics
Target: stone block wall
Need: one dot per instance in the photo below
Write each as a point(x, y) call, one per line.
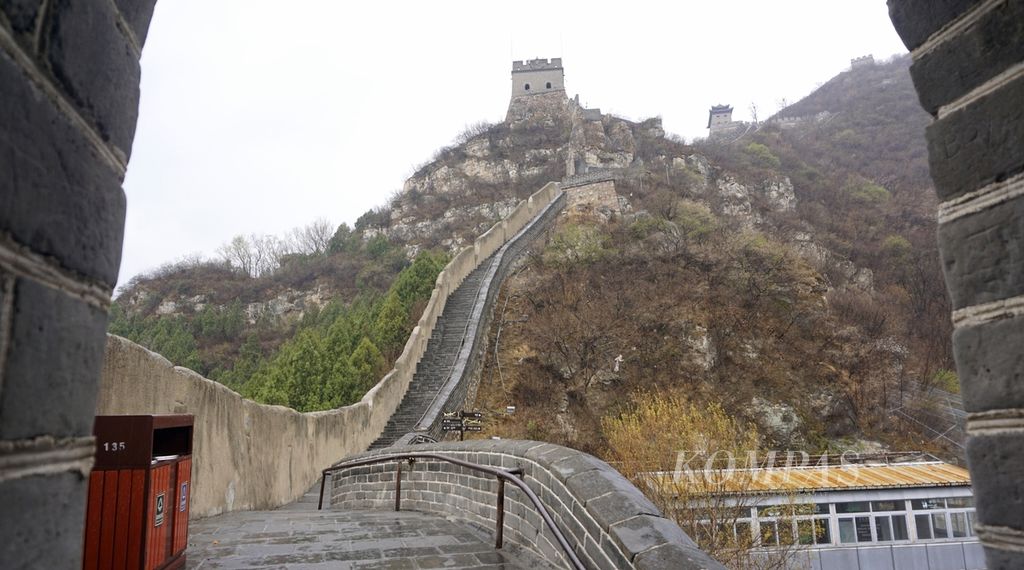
point(597, 200)
point(608, 522)
point(69, 92)
point(537, 74)
point(254, 456)
point(968, 69)
point(533, 219)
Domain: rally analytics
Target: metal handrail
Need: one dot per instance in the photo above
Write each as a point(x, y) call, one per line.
point(502, 476)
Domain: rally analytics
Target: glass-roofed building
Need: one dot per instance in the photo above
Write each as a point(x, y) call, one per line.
point(874, 514)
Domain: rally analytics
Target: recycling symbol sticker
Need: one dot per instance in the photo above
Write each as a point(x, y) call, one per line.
point(159, 519)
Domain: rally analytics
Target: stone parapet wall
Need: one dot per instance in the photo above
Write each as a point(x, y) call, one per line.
point(596, 200)
point(590, 177)
point(69, 95)
point(254, 456)
point(461, 383)
point(608, 521)
point(968, 69)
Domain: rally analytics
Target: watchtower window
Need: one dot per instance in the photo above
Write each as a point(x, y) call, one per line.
point(526, 87)
point(548, 85)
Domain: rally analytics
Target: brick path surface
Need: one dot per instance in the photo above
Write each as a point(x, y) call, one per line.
point(303, 538)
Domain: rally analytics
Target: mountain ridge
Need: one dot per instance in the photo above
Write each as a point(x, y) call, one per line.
point(812, 206)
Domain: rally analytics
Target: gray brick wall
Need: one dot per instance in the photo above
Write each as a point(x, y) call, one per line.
point(608, 521)
point(969, 73)
point(69, 91)
point(461, 388)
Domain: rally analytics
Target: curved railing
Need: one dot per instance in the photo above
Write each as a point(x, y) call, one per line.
point(561, 500)
point(502, 476)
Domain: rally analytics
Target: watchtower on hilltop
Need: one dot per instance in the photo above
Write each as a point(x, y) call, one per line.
point(719, 116)
point(864, 61)
point(536, 76)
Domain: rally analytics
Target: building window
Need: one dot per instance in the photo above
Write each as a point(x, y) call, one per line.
point(954, 518)
point(888, 528)
point(789, 524)
point(959, 525)
point(526, 87)
point(548, 85)
point(857, 507)
point(856, 529)
point(813, 531)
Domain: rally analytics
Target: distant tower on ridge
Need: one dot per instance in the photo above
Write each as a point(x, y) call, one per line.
point(865, 61)
point(536, 76)
point(719, 116)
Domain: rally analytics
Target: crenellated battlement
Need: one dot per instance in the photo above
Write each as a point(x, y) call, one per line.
point(862, 61)
point(719, 116)
point(540, 64)
point(536, 76)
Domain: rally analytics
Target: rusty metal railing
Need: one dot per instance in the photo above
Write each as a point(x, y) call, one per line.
point(502, 476)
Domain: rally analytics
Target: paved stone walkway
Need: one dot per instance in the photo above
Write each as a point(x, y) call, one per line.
point(301, 538)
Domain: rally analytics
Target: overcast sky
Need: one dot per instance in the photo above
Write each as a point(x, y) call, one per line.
point(260, 116)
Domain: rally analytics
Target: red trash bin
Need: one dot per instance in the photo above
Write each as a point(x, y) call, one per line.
point(139, 489)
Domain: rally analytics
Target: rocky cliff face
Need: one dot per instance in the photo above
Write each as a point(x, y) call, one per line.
point(285, 307)
point(472, 184)
point(655, 201)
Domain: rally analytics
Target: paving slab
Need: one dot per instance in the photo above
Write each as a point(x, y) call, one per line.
point(290, 538)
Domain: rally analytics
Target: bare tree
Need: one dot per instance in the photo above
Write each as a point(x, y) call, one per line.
point(238, 253)
point(472, 131)
point(255, 255)
point(312, 238)
point(753, 112)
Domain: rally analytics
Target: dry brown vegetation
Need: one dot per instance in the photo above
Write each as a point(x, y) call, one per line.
point(708, 489)
point(733, 316)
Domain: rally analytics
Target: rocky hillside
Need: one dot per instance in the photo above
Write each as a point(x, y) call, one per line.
point(789, 275)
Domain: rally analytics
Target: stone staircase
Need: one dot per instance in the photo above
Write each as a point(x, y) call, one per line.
point(439, 358)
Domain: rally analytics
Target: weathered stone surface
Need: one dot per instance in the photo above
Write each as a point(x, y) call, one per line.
point(5, 279)
point(94, 64)
point(614, 508)
point(997, 469)
point(576, 463)
point(597, 200)
point(603, 515)
point(644, 532)
point(42, 521)
point(983, 255)
point(985, 49)
point(991, 364)
point(978, 144)
point(916, 20)
point(614, 552)
point(23, 16)
point(1003, 559)
point(592, 484)
point(673, 557)
point(349, 539)
point(138, 14)
point(56, 195)
point(549, 453)
point(56, 342)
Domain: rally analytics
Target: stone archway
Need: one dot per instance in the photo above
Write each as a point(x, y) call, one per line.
point(69, 93)
point(69, 86)
point(969, 74)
